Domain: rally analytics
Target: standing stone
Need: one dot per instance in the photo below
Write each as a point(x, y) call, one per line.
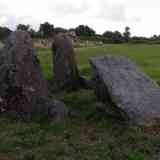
point(1, 45)
point(65, 66)
point(127, 90)
point(20, 54)
point(23, 88)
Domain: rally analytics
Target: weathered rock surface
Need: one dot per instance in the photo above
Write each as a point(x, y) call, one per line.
point(21, 105)
point(65, 66)
point(20, 56)
point(24, 92)
point(58, 111)
point(126, 89)
point(1, 45)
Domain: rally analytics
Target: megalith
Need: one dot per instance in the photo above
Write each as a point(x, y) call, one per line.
point(24, 91)
point(66, 73)
point(21, 57)
point(124, 88)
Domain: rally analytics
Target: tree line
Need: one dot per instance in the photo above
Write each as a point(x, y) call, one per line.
point(84, 32)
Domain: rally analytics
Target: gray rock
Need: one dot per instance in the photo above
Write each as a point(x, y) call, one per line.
point(86, 83)
point(19, 56)
point(126, 89)
point(1, 45)
point(58, 111)
point(29, 107)
point(24, 92)
point(65, 66)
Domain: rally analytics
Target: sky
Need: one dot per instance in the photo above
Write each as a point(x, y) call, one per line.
point(142, 16)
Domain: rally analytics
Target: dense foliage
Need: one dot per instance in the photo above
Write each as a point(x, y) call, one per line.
point(84, 32)
point(127, 34)
point(113, 37)
point(46, 29)
point(4, 32)
point(59, 30)
point(23, 27)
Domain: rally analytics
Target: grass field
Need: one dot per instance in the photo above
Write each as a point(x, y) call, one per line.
point(89, 135)
point(146, 56)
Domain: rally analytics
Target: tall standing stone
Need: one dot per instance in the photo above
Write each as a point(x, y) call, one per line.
point(20, 59)
point(65, 67)
point(23, 88)
point(124, 88)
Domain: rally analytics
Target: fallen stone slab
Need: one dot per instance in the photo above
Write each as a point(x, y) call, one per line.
point(126, 90)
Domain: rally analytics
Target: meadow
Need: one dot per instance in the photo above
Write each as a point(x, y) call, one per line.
point(147, 57)
point(90, 135)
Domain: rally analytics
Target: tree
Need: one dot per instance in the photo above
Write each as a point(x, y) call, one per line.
point(32, 32)
point(137, 39)
point(83, 30)
point(23, 27)
point(117, 37)
point(28, 29)
point(155, 38)
point(108, 34)
point(113, 37)
point(60, 30)
point(4, 32)
point(127, 34)
point(46, 29)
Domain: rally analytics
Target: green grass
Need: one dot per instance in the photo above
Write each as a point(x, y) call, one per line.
point(88, 135)
point(146, 56)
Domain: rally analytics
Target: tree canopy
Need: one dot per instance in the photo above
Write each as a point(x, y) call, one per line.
point(83, 30)
point(113, 37)
point(127, 34)
point(23, 27)
point(46, 29)
point(4, 32)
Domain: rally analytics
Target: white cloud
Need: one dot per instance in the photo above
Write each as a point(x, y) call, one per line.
point(3, 20)
point(70, 8)
point(111, 11)
point(102, 15)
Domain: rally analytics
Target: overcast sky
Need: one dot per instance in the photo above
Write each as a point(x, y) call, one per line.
point(142, 16)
